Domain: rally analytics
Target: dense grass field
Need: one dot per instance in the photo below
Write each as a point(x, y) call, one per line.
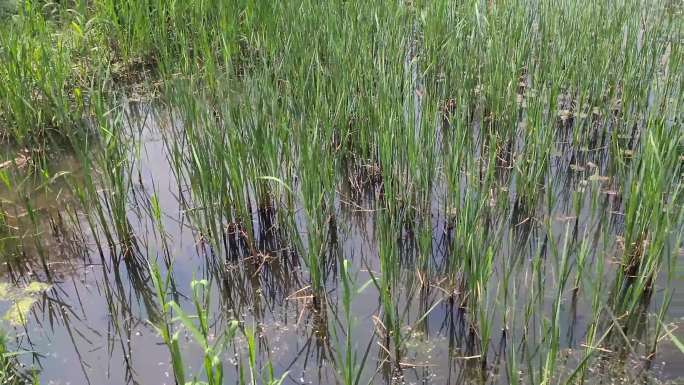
point(342, 192)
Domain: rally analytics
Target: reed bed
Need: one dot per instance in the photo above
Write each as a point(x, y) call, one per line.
point(512, 167)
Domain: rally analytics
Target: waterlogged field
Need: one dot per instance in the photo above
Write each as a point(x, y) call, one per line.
point(341, 192)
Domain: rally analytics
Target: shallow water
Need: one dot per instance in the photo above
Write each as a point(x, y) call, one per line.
point(92, 326)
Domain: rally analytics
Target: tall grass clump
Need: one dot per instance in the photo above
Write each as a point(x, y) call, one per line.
point(41, 98)
point(350, 364)
point(214, 346)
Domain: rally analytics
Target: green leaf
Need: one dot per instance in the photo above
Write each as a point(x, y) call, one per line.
point(187, 322)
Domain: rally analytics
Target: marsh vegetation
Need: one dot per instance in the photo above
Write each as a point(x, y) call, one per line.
point(342, 192)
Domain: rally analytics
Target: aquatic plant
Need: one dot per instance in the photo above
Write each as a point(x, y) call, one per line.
point(507, 174)
point(11, 373)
